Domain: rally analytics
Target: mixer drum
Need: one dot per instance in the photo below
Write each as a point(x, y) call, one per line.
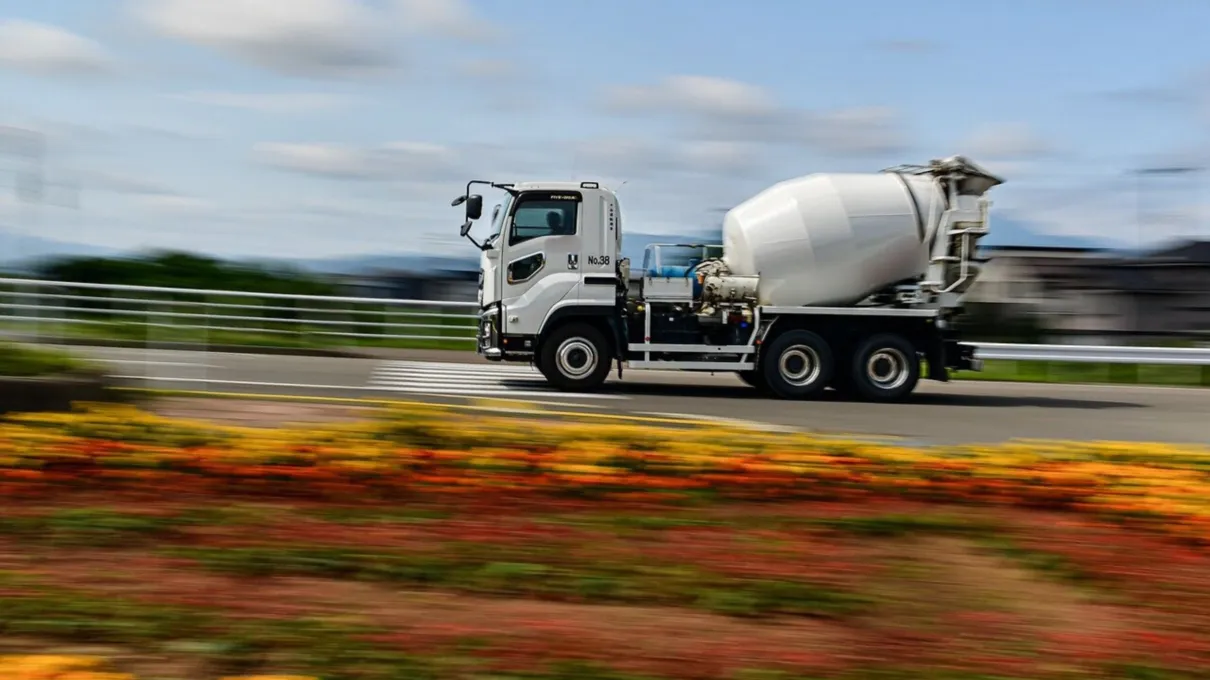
point(834, 239)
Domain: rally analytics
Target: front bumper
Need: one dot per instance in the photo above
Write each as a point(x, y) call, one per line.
point(488, 335)
point(496, 346)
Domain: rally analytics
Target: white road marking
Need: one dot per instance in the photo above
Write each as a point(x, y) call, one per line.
point(140, 362)
point(747, 424)
point(458, 379)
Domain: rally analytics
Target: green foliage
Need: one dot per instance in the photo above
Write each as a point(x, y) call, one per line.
point(184, 270)
point(25, 361)
point(491, 569)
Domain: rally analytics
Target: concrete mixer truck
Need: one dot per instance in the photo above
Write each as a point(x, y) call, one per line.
point(844, 281)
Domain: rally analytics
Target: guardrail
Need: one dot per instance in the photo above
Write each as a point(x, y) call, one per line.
point(54, 310)
point(1095, 354)
point(50, 310)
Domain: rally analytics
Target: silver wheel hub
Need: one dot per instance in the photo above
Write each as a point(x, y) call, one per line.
point(799, 365)
point(887, 368)
point(576, 358)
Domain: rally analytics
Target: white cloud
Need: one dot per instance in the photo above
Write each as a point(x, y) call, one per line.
point(1118, 208)
point(269, 102)
point(730, 111)
point(396, 161)
point(695, 95)
point(21, 142)
point(447, 18)
point(310, 38)
point(489, 69)
point(1006, 141)
point(44, 50)
point(635, 158)
point(861, 131)
point(176, 205)
point(121, 183)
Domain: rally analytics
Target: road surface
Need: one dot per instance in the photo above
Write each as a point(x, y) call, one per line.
point(961, 412)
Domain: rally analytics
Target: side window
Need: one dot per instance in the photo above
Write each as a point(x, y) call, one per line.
point(544, 216)
point(526, 267)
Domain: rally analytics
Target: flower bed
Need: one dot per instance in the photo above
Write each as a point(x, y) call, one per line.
point(428, 544)
point(436, 451)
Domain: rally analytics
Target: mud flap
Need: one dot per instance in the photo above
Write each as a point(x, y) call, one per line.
point(619, 341)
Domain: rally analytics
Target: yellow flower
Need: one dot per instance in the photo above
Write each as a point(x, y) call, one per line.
point(56, 666)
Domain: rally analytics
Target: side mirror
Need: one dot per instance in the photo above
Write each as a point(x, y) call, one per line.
point(474, 207)
point(466, 228)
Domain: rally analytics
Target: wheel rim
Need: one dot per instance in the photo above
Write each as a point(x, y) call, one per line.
point(576, 358)
point(887, 368)
point(799, 365)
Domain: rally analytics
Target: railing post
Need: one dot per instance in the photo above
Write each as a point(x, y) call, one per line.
point(37, 307)
point(205, 353)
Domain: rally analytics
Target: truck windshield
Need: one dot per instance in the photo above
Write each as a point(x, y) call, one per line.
point(498, 219)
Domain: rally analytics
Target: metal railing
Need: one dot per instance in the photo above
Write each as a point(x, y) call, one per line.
point(55, 310)
point(1095, 354)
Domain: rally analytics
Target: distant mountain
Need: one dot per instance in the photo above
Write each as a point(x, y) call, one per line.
point(18, 251)
point(1009, 233)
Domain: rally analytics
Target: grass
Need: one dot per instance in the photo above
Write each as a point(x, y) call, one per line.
point(1063, 372)
point(23, 361)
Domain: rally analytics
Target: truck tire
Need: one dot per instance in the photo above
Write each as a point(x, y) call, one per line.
point(575, 357)
point(797, 365)
point(885, 368)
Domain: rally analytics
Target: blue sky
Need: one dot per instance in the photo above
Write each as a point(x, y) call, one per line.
point(330, 127)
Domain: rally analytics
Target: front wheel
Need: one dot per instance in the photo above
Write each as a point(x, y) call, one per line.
point(797, 365)
point(575, 357)
point(885, 368)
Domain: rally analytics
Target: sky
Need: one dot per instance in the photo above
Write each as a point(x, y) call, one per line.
point(315, 128)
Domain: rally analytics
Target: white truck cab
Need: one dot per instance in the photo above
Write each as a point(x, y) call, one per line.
point(552, 254)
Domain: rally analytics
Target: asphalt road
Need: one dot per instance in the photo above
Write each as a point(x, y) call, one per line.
point(961, 412)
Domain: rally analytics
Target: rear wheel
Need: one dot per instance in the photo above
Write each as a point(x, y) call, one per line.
point(575, 357)
point(797, 365)
point(885, 368)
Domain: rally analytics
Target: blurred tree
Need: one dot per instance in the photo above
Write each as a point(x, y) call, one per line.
point(185, 270)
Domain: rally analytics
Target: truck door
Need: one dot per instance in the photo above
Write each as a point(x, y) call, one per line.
point(541, 258)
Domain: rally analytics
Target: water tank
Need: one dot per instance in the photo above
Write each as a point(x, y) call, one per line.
point(833, 239)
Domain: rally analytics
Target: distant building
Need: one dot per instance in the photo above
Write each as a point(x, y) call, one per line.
point(1094, 295)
